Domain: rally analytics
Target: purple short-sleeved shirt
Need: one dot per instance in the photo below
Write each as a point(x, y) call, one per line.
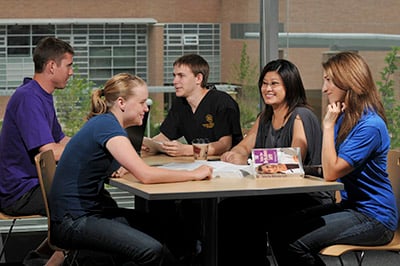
point(30, 122)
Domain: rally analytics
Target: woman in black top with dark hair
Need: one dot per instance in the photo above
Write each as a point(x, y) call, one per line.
point(285, 121)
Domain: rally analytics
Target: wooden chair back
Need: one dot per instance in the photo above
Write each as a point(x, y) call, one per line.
point(46, 168)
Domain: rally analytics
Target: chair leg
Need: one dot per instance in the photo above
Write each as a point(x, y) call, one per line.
point(73, 255)
point(341, 261)
point(272, 250)
point(360, 257)
point(3, 249)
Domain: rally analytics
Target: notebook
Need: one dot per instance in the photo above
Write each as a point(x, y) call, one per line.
point(136, 133)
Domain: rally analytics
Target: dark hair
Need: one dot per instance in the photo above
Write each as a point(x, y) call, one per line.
point(197, 64)
point(295, 92)
point(50, 48)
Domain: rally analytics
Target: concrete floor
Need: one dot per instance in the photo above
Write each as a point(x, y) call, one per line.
point(22, 243)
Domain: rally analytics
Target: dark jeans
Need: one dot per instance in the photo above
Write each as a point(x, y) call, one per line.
point(313, 229)
point(120, 232)
point(31, 203)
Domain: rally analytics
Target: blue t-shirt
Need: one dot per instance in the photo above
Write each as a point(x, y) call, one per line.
point(84, 167)
point(367, 189)
point(30, 122)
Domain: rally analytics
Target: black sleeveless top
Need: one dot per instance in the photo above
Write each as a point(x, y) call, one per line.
point(268, 137)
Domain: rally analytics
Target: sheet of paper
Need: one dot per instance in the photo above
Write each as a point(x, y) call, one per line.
point(221, 169)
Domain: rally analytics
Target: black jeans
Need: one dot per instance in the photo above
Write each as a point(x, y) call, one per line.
point(31, 203)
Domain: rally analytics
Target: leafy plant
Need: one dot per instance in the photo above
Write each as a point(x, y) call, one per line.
point(246, 75)
point(391, 105)
point(73, 103)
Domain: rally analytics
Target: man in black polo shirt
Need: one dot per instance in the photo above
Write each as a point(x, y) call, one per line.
point(199, 111)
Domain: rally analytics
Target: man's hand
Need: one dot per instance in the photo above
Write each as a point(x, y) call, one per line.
point(175, 148)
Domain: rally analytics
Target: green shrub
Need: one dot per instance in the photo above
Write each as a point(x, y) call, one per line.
point(73, 103)
point(390, 103)
point(246, 75)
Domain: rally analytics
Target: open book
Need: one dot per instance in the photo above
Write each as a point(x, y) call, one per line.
point(277, 162)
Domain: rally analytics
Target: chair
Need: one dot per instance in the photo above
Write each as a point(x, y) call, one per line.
point(13, 219)
point(46, 167)
point(394, 245)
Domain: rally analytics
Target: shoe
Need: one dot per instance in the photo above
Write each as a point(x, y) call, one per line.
point(34, 258)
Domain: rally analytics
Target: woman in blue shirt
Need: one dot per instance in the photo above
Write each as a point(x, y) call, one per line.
point(354, 151)
point(82, 215)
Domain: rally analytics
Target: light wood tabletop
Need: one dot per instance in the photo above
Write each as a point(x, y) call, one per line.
point(224, 187)
point(219, 187)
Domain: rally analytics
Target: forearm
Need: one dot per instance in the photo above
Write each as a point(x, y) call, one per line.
point(224, 144)
point(329, 155)
point(238, 155)
point(57, 148)
point(154, 175)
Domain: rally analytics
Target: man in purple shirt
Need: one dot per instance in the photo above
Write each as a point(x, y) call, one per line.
point(30, 126)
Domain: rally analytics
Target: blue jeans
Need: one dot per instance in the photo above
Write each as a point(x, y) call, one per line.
point(118, 232)
point(317, 228)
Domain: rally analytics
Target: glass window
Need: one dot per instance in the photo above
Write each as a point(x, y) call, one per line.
point(100, 62)
point(18, 51)
point(174, 39)
point(18, 40)
point(123, 62)
point(43, 29)
point(100, 73)
point(124, 51)
point(101, 49)
point(192, 38)
point(18, 30)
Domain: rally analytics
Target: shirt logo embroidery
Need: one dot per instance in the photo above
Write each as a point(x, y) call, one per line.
point(210, 121)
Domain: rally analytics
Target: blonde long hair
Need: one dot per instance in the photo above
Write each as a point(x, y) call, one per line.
point(349, 72)
point(121, 85)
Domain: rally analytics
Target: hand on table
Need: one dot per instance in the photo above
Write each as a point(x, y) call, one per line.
point(119, 173)
point(233, 157)
point(204, 172)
